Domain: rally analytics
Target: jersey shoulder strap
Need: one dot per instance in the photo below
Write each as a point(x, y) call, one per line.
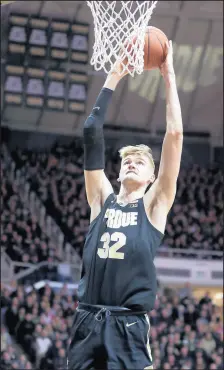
point(111, 198)
point(101, 215)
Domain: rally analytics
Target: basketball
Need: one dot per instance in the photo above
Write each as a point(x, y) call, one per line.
point(155, 50)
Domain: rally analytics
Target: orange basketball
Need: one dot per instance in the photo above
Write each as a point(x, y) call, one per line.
point(155, 50)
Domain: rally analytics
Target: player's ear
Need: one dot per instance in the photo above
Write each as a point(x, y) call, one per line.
point(152, 179)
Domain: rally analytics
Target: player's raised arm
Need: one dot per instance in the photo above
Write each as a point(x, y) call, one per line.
point(98, 187)
point(173, 140)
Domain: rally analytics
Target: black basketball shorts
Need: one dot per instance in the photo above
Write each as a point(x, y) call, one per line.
point(108, 341)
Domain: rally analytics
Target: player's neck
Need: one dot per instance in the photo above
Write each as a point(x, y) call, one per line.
point(128, 195)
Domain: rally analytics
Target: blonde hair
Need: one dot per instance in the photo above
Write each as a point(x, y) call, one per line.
point(137, 150)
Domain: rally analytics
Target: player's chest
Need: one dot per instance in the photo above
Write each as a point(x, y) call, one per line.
point(118, 236)
point(118, 219)
point(121, 234)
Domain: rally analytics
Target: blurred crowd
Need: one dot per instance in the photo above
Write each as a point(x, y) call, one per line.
point(195, 220)
point(186, 332)
point(21, 236)
point(40, 322)
point(11, 357)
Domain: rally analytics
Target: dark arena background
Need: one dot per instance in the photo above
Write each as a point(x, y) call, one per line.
point(48, 88)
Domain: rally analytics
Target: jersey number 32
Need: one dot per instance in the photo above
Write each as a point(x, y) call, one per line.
point(111, 251)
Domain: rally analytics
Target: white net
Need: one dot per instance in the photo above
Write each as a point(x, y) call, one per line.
point(116, 23)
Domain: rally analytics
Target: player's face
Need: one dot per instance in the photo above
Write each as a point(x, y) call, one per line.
point(136, 168)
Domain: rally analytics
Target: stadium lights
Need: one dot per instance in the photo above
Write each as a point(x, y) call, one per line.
point(35, 91)
point(55, 97)
point(77, 92)
point(38, 37)
point(34, 40)
point(51, 89)
point(34, 36)
point(79, 43)
point(13, 86)
point(17, 37)
point(59, 43)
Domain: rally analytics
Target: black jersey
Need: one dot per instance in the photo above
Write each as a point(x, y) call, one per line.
point(118, 267)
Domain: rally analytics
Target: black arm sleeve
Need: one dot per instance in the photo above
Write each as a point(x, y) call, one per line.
point(94, 146)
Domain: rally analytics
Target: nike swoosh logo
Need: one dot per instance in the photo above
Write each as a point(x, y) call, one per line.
point(133, 323)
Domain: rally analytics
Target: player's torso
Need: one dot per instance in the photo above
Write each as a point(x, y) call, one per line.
point(118, 257)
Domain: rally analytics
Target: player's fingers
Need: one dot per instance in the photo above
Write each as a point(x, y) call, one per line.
point(167, 48)
point(162, 69)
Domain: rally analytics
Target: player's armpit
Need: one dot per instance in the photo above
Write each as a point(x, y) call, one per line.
point(165, 193)
point(98, 187)
point(156, 206)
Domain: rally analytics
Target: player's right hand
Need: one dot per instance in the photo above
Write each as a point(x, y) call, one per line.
point(118, 70)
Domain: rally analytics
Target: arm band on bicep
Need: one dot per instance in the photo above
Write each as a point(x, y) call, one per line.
point(94, 146)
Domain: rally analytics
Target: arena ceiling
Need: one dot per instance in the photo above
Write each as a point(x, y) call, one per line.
point(196, 28)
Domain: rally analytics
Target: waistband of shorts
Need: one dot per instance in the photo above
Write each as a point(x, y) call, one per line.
point(112, 310)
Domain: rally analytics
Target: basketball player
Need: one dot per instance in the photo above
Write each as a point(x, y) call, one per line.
point(118, 282)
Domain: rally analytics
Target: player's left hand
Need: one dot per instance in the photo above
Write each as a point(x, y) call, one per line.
point(166, 68)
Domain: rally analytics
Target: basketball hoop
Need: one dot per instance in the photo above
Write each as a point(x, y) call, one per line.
point(116, 23)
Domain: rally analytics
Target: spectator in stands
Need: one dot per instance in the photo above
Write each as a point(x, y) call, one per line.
point(60, 359)
point(42, 344)
point(25, 332)
point(5, 339)
point(208, 343)
point(11, 316)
